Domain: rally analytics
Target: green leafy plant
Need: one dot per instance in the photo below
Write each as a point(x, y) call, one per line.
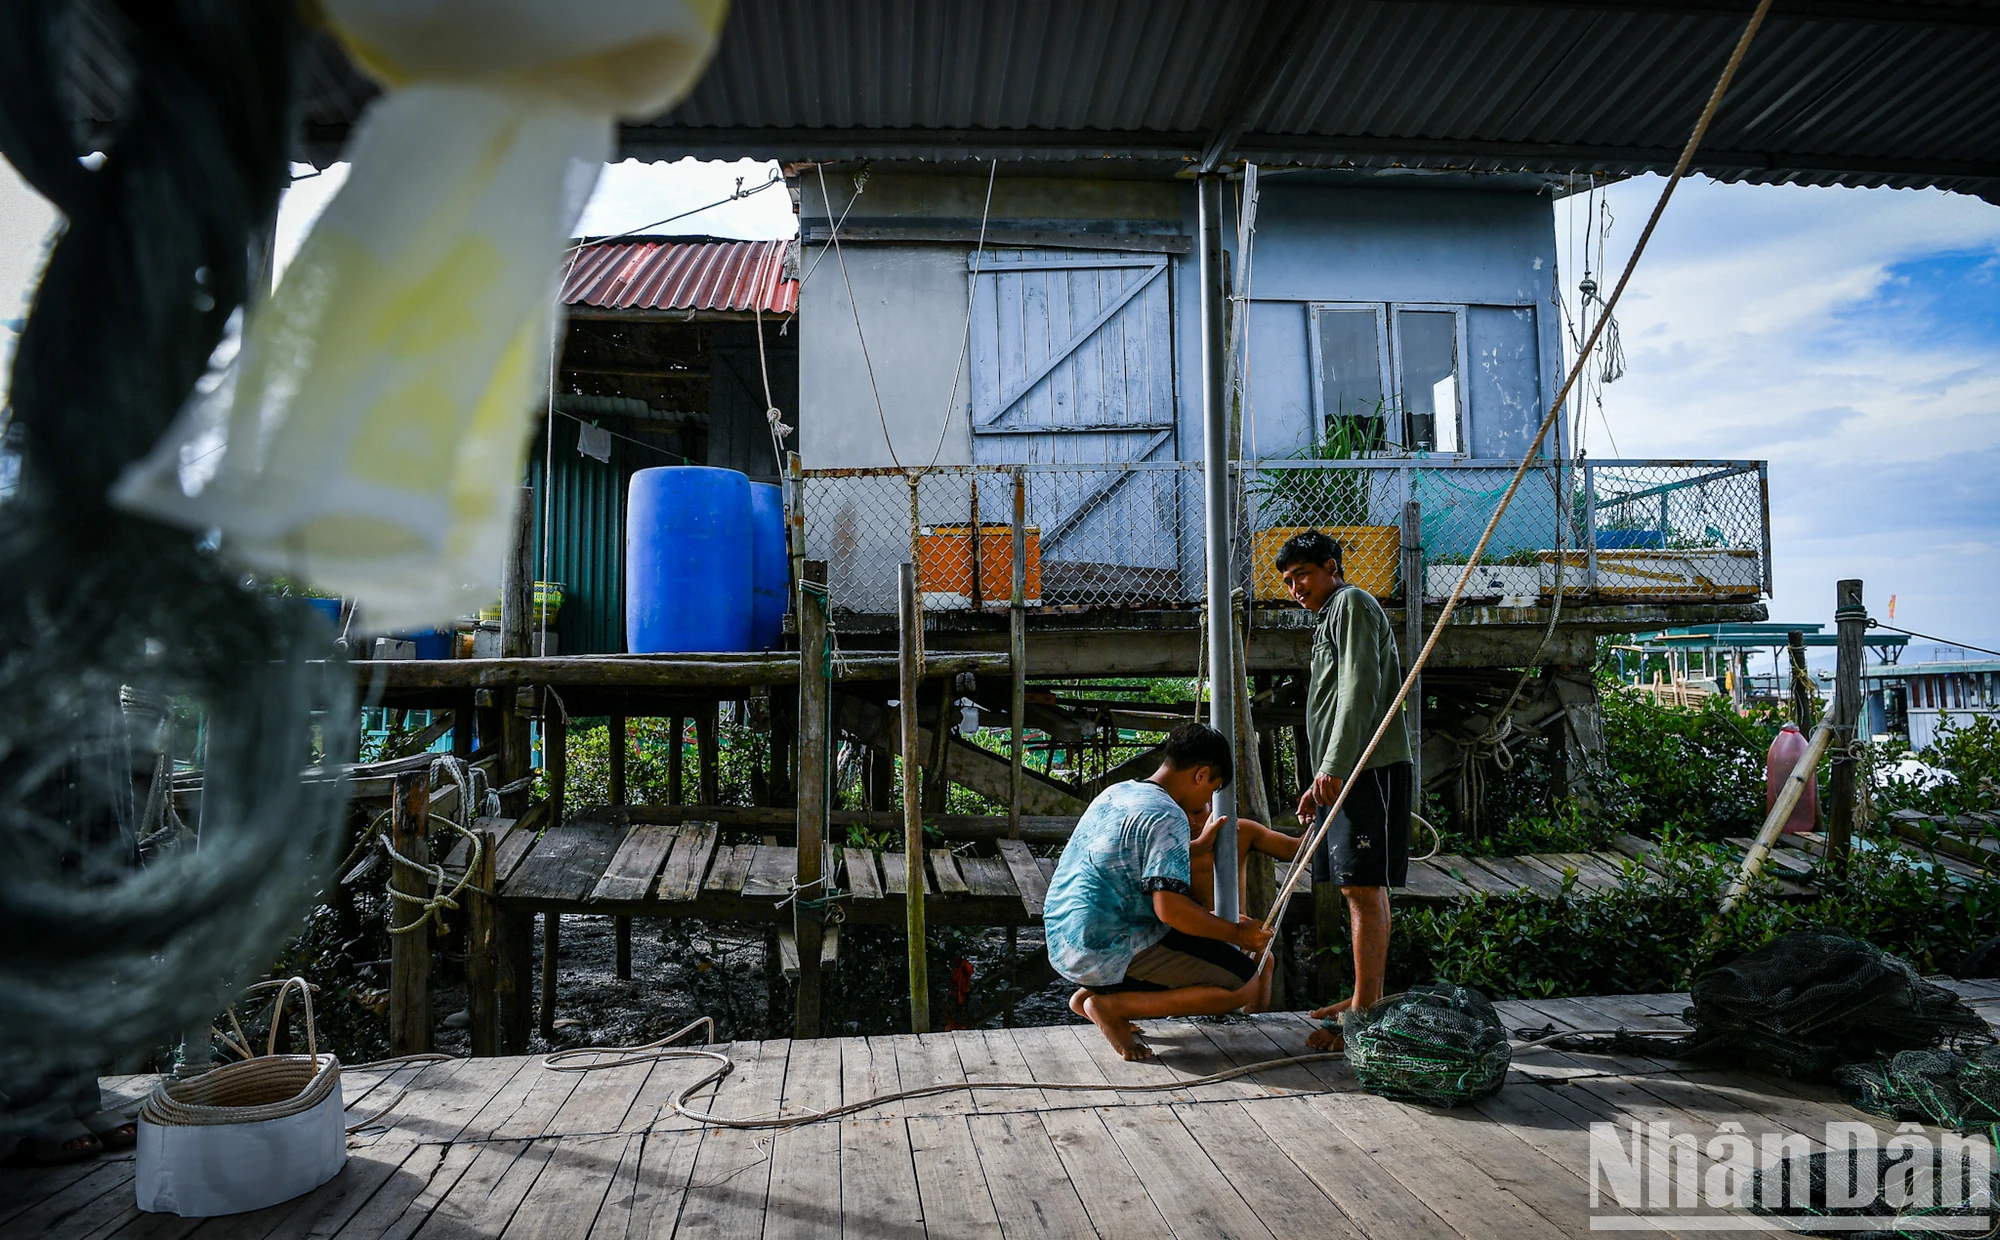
point(1321, 497)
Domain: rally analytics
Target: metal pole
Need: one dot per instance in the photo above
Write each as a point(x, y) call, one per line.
point(1215, 474)
point(1017, 652)
point(913, 812)
point(1851, 623)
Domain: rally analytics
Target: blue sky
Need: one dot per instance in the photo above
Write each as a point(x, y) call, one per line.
point(1850, 337)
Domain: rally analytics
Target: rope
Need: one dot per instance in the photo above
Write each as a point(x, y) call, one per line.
point(853, 307)
point(1873, 623)
point(1390, 717)
point(665, 1048)
point(430, 908)
point(965, 343)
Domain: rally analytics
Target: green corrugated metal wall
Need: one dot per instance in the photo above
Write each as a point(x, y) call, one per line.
point(588, 553)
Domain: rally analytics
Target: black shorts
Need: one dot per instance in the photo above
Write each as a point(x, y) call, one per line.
point(1182, 960)
point(1369, 844)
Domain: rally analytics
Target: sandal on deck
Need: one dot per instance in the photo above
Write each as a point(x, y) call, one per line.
point(114, 1130)
point(52, 1145)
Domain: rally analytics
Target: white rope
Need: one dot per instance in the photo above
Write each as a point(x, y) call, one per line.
point(965, 342)
point(1391, 717)
point(855, 308)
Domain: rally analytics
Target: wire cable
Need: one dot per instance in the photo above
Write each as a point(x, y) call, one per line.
point(1392, 716)
point(965, 343)
point(776, 178)
point(1873, 623)
point(854, 308)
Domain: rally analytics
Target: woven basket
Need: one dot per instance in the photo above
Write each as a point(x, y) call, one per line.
point(271, 1086)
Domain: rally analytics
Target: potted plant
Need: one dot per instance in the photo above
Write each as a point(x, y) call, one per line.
point(1290, 501)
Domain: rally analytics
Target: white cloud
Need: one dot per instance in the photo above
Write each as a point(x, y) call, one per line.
point(1765, 322)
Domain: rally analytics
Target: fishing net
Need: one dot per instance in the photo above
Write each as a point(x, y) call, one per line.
point(1912, 1193)
point(1804, 1004)
point(132, 909)
point(1928, 1086)
point(1439, 1044)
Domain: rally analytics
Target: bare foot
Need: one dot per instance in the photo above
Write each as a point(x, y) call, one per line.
point(1122, 1034)
point(1332, 1010)
point(1326, 1040)
point(1260, 989)
point(1076, 1003)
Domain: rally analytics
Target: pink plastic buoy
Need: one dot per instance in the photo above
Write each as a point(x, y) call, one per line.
point(1786, 749)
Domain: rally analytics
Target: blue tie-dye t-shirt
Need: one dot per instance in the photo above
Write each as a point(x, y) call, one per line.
point(1131, 842)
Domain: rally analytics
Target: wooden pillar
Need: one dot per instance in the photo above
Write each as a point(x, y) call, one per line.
point(481, 952)
point(621, 927)
point(409, 954)
point(1851, 623)
point(881, 780)
point(784, 730)
point(708, 753)
point(913, 813)
point(514, 984)
point(461, 740)
point(551, 941)
point(1252, 799)
point(815, 719)
point(1803, 713)
point(935, 785)
point(516, 608)
point(676, 759)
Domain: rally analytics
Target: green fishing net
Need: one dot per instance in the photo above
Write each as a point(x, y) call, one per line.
point(1900, 1194)
point(1928, 1086)
point(1438, 1044)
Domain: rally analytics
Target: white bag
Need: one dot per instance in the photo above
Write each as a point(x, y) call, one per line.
point(246, 1135)
point(201, 1170)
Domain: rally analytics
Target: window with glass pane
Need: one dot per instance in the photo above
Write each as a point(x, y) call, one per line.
point(1427, 342)
point(1351, 386)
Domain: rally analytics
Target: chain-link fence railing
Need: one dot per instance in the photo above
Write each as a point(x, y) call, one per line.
point(1131, 536)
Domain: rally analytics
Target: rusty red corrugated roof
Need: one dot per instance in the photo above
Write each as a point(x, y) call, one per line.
point(642, 274)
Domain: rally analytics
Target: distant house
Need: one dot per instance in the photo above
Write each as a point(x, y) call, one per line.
point(660, 360)
point(1402, 342)
point(1915, 700)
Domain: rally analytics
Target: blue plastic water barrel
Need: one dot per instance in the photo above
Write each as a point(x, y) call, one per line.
point(687, 560)
point(770, 575)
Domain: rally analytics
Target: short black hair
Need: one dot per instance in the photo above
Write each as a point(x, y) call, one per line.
point(1309, 547)
point(1196, 744)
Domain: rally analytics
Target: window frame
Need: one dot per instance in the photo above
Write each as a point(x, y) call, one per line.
point(1460, 312)
point(1384, 358)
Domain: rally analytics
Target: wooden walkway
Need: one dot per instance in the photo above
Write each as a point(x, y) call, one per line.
point(683, 870)
point(502, 1148)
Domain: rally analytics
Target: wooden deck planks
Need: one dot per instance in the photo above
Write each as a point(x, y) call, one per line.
point(565, 865)
point(635, 865)
point(805, 1198)
point(878, 1179)
point(862, 880)
point(730, 869)
point(1029, 878)
point(682, 873)
point(732, 1170)
point(505, 1148)
point(944, 867)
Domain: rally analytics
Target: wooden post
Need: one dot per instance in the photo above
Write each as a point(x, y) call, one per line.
point(1802, 686)
point(409, 954)
point(708, 753)
point(514, 985)
point(461, 735)
point(935, 784)
point(1413, 641)
point(978, 565)
point(676, 760)
point(784, 731)
point(551, 943)
point(1252, 799)
point(1851, 623)
point(481, 955)
point(621, 927)
point(815, 718)
point(517, 589)
point(1017, 656)
point(913, 812)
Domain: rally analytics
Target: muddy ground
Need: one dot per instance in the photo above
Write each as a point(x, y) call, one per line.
point(685, 970)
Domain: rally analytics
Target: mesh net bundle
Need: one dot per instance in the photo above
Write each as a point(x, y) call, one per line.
point(1908, 1194)
point(1928, 1086)
point(1803, 1005)
point(1439, 1044)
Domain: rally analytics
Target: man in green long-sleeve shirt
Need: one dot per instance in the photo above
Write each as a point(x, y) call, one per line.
point(1354, 676)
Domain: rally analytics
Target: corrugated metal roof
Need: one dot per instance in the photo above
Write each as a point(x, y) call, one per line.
point(645, 273)
point(1849, 92)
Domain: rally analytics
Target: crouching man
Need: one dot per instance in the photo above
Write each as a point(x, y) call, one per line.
point(1119, 918)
